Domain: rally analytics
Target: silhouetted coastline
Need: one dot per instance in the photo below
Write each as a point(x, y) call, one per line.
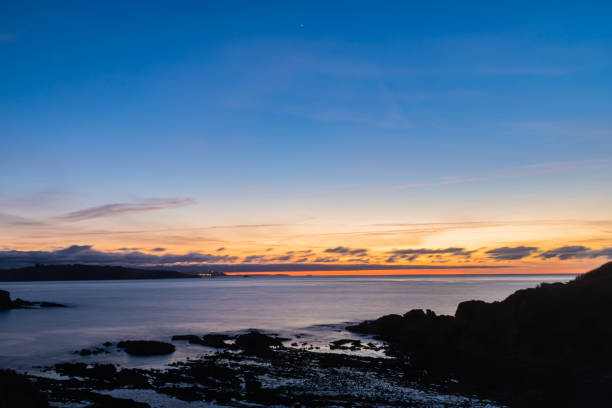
point(87, 272)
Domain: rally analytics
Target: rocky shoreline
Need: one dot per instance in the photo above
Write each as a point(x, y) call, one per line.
point(251, 369)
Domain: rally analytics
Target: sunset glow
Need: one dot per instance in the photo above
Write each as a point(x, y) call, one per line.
point(296, 138)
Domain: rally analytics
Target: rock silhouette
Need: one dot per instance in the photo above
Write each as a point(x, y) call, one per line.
point(209, 340)
point(253, 342)
point(544, 346)
point(6, 303)
point(5, 300)
point(146, 347)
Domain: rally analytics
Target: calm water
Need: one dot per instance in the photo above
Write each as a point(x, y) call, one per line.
point(157, 309)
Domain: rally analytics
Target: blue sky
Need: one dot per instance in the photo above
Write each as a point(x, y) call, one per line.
point(304, 113)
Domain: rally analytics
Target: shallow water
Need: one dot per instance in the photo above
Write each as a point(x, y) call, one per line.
point(102, 311)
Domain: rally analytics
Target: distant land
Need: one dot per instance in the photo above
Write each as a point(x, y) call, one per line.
point(87, 272)
point(66, 272)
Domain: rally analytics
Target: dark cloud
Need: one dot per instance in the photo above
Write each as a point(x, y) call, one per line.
point(108, 210)
point(302, 252)
point(412, 254)
point(254, 258)
point(74, 249)
point(607, 252)
point(511, 253)
point(85, 254)
point(220, 249)
point(326, 259)
point(265, 258)
point(360, 260)
point(576, 252)
point(282, 258)
point(158, 249)
point(347, 251)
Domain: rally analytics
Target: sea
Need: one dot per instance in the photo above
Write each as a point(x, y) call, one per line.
point(313, 309)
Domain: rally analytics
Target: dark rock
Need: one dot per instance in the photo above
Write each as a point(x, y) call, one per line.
point(146, 347)
point(51, 304)
point(190, 394)
point(106, 401)
point(192, 338)
point(215, 340)
point(5, 300)
point(209, 340)
point(17, 390)
point(345, 344)
point(208, 374)
point(388, 325)
point(265, 396)
point(6, 303)
point(257, 343)
point(98, 371)
point(71, 369)
point(24, 304)
point(251, 385)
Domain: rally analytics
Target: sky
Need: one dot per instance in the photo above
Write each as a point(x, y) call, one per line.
point(467, 134)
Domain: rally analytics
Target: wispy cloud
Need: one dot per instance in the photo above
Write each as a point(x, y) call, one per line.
point(109, 210)
point(10, 220)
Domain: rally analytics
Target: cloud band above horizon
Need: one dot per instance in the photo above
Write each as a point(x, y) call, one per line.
point(399, 258)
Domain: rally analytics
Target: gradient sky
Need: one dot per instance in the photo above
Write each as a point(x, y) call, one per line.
point(457, 134)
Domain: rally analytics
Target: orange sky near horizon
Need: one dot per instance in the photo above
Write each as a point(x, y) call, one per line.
point(409, 272)
point(536, 246)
